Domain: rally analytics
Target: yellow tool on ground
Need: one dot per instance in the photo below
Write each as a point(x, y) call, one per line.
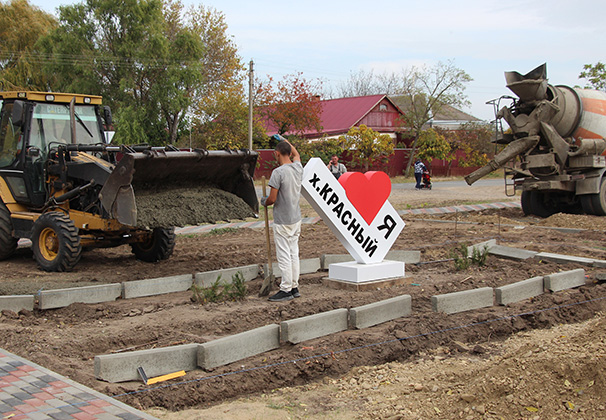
point(151, 381)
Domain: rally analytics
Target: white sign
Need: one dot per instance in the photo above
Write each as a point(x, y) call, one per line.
point(355, 208)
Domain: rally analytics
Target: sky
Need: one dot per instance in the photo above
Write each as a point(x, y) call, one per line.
point(331, 39)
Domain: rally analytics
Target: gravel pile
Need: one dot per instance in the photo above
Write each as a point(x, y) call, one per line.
point(188, 206)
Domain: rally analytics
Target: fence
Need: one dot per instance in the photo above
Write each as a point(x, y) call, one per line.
point(394, 166)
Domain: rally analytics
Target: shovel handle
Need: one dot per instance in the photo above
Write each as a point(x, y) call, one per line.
point(267, 227)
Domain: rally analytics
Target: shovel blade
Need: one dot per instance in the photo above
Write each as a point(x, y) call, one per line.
point(267, 285)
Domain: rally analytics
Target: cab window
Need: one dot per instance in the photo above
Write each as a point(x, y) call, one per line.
point(51, 126)
point(11, 139)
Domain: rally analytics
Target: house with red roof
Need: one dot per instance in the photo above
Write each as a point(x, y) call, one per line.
point(378, 112)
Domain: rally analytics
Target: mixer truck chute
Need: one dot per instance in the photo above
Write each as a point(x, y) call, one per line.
point(555, 146)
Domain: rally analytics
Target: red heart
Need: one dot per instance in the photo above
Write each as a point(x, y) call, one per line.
point(367, 192)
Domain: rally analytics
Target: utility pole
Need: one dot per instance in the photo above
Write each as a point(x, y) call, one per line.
point(250, 105)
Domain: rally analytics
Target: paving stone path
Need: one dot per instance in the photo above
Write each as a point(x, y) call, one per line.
point(29, 391)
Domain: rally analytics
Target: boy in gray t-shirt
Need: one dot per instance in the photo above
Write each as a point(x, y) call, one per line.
point(285, 193)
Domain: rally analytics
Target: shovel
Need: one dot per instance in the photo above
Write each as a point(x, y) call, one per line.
point(268, 281)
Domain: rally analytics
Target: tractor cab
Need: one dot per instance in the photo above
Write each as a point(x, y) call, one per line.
point(32, 125)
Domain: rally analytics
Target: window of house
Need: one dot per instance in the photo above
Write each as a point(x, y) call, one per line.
point(382, 107)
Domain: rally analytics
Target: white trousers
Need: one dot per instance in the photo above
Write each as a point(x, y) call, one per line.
point(286, 238)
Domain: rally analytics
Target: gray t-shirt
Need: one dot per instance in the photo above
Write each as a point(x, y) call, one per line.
point(287, 180)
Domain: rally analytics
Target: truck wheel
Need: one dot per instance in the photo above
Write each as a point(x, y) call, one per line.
point(597, 202)
point(526, 203)
point(540, 204)
point(56, 242)
point(587, 203)
point(8, 244)
point(159, 246)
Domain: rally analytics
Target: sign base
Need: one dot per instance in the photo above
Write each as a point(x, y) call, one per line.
point(365, 286)
point(353, 272)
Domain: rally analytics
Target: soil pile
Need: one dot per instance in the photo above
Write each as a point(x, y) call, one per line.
point(541, 374)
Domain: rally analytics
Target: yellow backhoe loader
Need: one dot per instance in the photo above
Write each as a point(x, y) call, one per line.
point(66, 188)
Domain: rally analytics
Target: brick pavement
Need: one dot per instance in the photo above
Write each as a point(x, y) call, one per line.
point(29, 391)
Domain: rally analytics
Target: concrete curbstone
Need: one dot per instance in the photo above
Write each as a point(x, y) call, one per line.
point(565, 280)
point(328, 259)
point(307, 266)
point(60, 298)
point(155, 362)
point(520, 290)
point(159, 286)
point(239, 346)
point(408, 257)
point(465, 300)
point(314, 326)
point(379, 312)
point(559, 258)
point(405, 256)
point(208, 278)
point(480, 246)
point(17, 302)
point(310, 265)
point(599, 263)
point(511, 253)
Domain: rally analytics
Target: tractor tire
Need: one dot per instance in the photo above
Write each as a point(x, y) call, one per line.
point(8, 243)
point(159, 246)
point(56, 242)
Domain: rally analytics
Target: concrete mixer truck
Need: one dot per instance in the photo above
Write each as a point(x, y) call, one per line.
point(555, 146)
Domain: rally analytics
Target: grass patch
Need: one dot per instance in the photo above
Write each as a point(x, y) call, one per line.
point(220, 291)
point(462, 259)
point(222, 231)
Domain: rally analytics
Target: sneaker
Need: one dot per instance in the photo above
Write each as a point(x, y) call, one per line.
point(295, 292)
point(281, 296)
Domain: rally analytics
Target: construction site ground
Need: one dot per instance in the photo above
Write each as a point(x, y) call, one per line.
point(542, 358)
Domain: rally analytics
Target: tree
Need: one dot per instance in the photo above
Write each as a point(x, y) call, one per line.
point(365, 83)
point(433, 145)
point(225, 124)
point(221, 93)
point(323, 149)
point(426, 90)
point(151, 60)
point(595, 75)
point(473, 140)
point(292, 106)
point(21, 24)
point(367, 145)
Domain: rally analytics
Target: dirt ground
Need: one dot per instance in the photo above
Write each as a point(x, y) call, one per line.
point(539, 359)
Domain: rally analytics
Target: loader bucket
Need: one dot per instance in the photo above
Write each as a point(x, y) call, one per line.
point(159, 188)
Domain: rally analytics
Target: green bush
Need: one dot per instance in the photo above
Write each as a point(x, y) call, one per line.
point(478, 257)
point(323, 149)
point(462, 259)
